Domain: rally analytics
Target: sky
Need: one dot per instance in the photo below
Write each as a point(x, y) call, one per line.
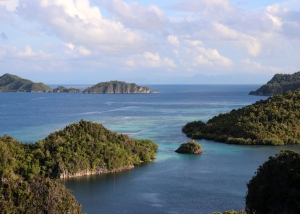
point(149, 41)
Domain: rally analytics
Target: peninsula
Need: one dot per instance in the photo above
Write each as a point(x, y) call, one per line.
point(278, 84)
point(116, 87)
point(13, 83)
point(274, 121)
point(29, 173)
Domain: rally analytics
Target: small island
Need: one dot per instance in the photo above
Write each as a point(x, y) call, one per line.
point(116, 87)
point(278, 84)
point(13, 83)
point(274, 121)
point(191, 147)
point(61, 89)
point(30, 172)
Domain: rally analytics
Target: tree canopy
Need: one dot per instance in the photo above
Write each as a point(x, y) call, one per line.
point(275, 187)
point(274, 121)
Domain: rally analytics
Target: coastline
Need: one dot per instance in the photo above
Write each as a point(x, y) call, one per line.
point(66, 175)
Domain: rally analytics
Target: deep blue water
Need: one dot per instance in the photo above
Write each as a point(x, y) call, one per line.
point(173, 183)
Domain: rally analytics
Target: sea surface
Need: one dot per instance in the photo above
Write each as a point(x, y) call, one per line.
point(173, 183)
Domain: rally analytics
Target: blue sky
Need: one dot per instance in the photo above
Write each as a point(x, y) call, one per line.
point(149, 41)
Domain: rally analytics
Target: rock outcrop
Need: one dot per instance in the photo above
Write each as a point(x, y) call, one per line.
point(61, 89)
point(191, 147)
point(116, 87)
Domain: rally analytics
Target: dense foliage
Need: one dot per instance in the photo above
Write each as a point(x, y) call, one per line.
point(26, 169)
point(114, 87)
point(274, 121)
point(60, 89)
point(278, 84)
point(90, 146)
point(13, 83)
point(275, 188)
point(191, 147)
point(29, 194)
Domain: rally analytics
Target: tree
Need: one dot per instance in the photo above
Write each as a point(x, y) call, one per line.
point(275, 187)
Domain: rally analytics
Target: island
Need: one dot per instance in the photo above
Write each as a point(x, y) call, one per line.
point(61, 89)
point(116, 87)
point(278, 84)
point(30, 172)
point(191, 147)
point(13, 83)
point(274, 121)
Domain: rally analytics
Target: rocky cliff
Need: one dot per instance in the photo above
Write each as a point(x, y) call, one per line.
point(13, 83)
point(116, 87)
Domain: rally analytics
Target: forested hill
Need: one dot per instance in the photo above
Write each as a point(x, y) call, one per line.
point(13, 83)
point(278, 84)
point(29, 172)
point(275, 121)
point(116, 87)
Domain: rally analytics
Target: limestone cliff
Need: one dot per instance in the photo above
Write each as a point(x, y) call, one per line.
point(116, 87)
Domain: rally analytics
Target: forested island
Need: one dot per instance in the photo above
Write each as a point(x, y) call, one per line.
point(278, 84)
point(61, 89)
point(116, 87)
point(29, 172)
point(13, 83)
point(274, 121)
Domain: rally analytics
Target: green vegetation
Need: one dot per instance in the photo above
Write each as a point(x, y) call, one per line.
point(191, 147)
point(274, 121)
point(278, 84)
point(116, 87)
point(13, 83)
point(79, 149)
point(275, 188)
point(60, 89)
point(23, 190)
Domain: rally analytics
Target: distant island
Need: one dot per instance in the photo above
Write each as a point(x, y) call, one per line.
point(274, 121)
point(278, 84)
point(29, 173)
point(116, 87)
point(13, 83)
point(61, 89)
point(191, 147)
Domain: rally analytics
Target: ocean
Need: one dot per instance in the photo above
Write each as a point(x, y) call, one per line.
point(173, 183)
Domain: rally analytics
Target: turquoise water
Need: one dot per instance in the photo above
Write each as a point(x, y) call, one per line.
point(173, 183)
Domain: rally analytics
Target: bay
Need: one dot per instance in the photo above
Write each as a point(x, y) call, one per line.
point(173, 183)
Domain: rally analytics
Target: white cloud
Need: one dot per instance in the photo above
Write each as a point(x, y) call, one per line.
point(173, 40)
point(257, 67)
point(151, 56)
point(70, 46)
point(136, 15)
point(82, 50)
point(208, 56)
point(79, 23)
point(10, 4)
